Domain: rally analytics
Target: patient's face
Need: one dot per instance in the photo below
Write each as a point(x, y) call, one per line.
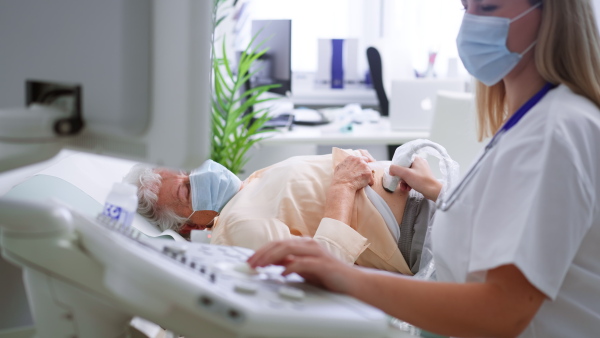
point(175, 194)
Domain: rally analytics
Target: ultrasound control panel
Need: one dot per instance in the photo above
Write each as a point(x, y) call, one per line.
point(218, 292)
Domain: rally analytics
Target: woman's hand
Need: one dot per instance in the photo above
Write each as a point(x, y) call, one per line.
point(354, 173)
point(418, 177)
point(308, 259)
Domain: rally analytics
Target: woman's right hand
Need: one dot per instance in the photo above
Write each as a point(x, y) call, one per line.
point(418, 177)
point(308, 259)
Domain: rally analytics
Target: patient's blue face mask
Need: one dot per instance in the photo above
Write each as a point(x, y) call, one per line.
point(482, 47)
point(212, 186)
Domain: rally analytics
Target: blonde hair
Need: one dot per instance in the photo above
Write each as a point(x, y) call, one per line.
point(567, 52)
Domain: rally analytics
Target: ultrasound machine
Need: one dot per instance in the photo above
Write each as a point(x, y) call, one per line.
point(131, 79)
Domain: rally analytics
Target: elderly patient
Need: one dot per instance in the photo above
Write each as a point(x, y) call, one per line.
point(301, 196)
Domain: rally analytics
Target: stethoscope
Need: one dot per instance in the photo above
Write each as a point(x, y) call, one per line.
point(444, 203)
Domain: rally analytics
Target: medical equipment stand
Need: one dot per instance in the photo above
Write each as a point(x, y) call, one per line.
point(63, 284)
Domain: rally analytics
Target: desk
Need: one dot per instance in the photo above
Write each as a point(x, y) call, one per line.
point(302, 140)
point(334, 97)
point(367, 134)
point(306, 93)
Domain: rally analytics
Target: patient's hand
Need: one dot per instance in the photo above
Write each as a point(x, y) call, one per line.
point(353, 172)
point(418, 177)
point(350, 175)
point(367, 155)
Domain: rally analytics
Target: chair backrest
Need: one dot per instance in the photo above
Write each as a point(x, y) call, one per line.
point(454, 126)
point(376, 70)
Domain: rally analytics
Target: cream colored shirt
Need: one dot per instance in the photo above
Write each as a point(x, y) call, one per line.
point(287, 199)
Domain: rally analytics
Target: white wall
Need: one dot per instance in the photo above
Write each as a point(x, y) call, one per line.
point(404, 30)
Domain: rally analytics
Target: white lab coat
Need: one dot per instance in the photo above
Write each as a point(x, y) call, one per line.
point(534, 204)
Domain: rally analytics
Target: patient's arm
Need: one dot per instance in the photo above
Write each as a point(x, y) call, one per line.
point(351, 175)
point(367, 155)
point(339, 239)
point(333, 232)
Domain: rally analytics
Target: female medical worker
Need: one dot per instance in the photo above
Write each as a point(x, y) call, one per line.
point(516, 243)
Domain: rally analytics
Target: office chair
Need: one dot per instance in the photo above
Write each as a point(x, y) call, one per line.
point(375, 69)
point(454, 127)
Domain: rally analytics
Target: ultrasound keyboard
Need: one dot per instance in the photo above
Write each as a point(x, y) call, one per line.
point(216, 291)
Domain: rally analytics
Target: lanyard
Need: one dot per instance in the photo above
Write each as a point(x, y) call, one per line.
point(445, 204)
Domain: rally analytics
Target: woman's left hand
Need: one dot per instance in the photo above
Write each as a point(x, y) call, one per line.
point(418, 177)
point(308, 259)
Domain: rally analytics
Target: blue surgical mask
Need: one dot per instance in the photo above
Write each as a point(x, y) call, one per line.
point(212, 186)
point(482, 47)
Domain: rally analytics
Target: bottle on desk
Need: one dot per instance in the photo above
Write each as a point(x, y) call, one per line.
point(121, 205)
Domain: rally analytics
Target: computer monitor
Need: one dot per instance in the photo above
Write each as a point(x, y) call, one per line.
point(275, 67)
point(142, 67)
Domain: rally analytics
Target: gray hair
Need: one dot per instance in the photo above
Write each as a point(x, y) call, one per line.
point(148, 182)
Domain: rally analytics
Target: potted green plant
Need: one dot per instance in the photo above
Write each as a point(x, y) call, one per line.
point(235, 126)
